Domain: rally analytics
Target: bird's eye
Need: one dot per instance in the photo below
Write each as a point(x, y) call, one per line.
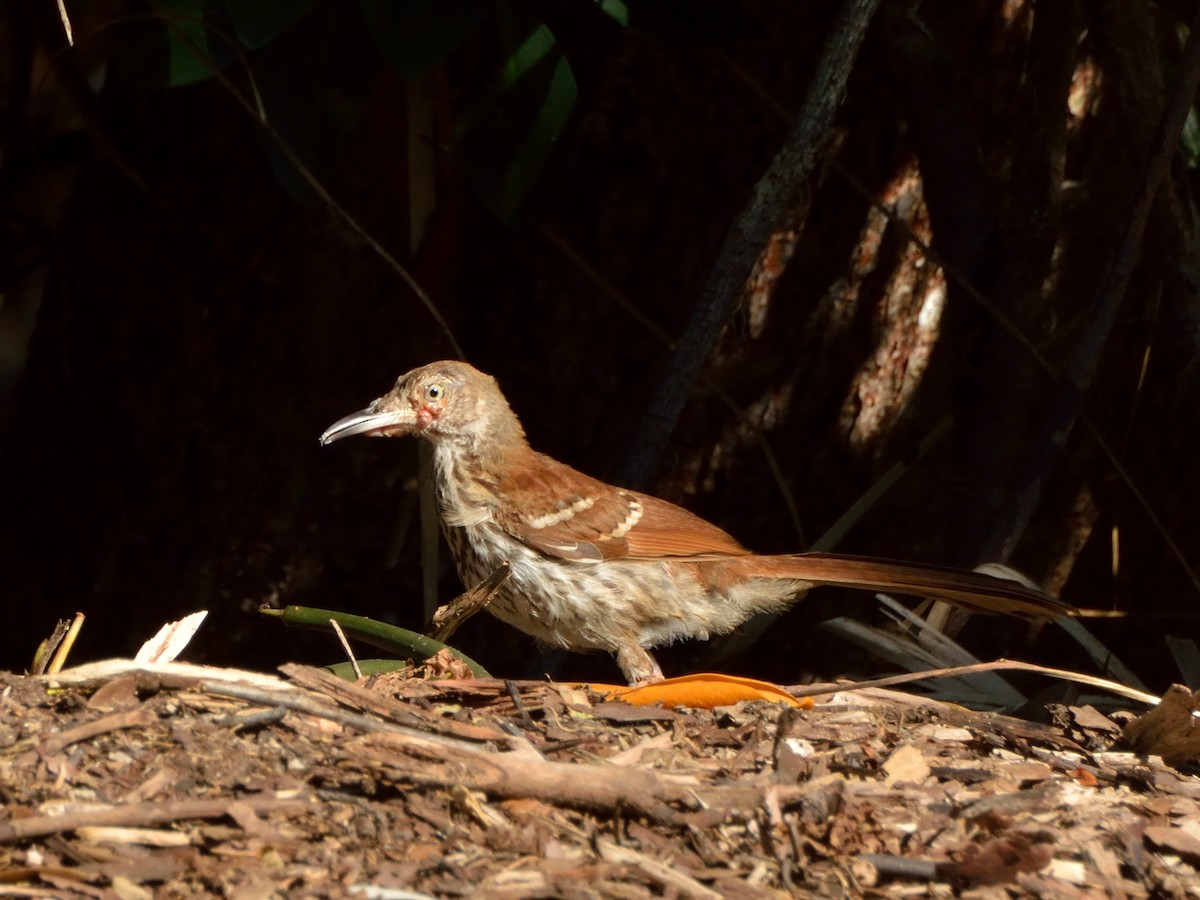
point(433, 392)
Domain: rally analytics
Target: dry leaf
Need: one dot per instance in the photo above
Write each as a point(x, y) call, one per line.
point(1170, 730)
point(705, 690)
point(906, 764)
point(171, 640)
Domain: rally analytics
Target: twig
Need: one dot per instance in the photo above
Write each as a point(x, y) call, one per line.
point(599, 788)
point(141, 814)
point(349, 694)
point(254, 108)
point(410, 755)
point(890, 866)
point(996, 666)
point(45, 651)
point(138, 717)
point(66, 22)
point(663, 874)
point(337, 629)
point(308, 706)
point(61, 653)
point(449, 618)
point(155, 675)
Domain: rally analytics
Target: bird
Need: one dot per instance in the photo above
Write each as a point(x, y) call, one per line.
point(594, 566)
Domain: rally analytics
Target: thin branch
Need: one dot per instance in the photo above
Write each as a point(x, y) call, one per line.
point(772, 204)
point(141, 814)
point(999, 665)
point(256, 111)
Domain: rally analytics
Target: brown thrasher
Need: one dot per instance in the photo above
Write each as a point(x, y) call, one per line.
point(597, 567)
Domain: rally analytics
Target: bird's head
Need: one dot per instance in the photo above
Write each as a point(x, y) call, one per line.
point(443, 401)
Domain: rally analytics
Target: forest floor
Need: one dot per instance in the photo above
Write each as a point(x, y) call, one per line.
point(136, 781)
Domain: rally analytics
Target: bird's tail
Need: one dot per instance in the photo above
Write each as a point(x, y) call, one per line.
point(970, 590)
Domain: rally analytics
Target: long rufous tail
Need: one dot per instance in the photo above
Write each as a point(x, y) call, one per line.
point(970, 590)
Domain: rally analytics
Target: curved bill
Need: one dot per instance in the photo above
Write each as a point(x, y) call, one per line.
point(371, 423)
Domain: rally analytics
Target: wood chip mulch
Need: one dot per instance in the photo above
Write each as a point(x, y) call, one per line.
point(180, 781)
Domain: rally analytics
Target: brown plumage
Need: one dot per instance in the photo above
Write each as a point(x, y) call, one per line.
point(599, 567)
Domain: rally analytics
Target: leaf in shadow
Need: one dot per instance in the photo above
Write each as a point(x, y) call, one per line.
point(510, 138)
point(162, 45)
point(314, 80)
point(416, 35)
point(258, 22)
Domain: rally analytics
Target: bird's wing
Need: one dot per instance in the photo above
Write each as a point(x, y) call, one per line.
point(569, 515)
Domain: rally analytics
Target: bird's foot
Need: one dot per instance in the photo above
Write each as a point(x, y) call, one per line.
point(638, 666)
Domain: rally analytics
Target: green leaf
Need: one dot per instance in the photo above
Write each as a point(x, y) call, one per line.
point(416, 35)
point(190, 60)
point(618, 9)
point(509, 138)
point(1189, 140)
point(162, 45)
point(258, 22)
point(390, 638)
point(533, 154)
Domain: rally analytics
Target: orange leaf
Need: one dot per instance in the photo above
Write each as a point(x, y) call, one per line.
point(701, 691)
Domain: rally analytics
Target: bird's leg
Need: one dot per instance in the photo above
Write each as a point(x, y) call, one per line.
point(638, 666)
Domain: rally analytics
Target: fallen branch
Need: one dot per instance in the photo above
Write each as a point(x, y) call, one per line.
point(135, 814)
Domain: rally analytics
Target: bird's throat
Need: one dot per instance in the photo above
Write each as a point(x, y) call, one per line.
point(463, 497)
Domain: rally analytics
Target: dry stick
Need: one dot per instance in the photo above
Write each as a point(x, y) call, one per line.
point(310, 707)
point(337, 629)
point(443, 761)
point(601, 788)
point(387, 707)
point(449, 618)
point(45, 653)
point(66, 23)
point(772, 203)
point(138, 717)
point(141, 814)
point(434, 759)
point(902, 866)
point(662, 873)
point(999, 665)
point(1078, 377)
point(63, 649)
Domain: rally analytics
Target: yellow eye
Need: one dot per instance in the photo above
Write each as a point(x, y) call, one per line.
point(434, 392)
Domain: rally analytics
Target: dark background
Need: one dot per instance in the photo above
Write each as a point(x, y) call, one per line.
point(182, 317)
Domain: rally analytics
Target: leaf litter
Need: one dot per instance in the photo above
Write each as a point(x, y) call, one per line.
point(137, 780)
